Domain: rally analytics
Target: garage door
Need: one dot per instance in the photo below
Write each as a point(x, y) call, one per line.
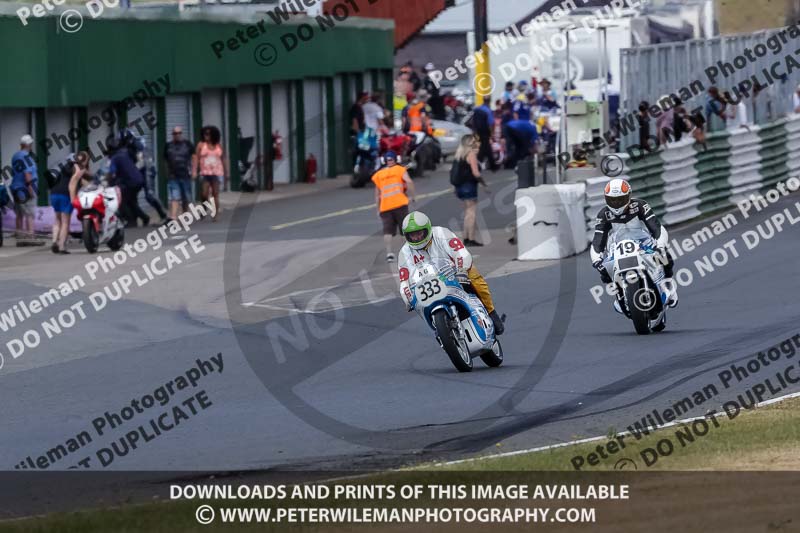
point(281, 116)
point(179, 113)
point(247, 107)
point(314, 123)
point(59, 122)
point(99, 135)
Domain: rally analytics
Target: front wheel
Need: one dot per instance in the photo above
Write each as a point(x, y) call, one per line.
point(641, 301)
point(90, 238)
point(494, 357)
point(458, 354)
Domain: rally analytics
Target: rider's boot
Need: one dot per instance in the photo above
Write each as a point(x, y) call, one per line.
point(672, 292)
point(620, 306)
point(499, 327)
point(670, 285)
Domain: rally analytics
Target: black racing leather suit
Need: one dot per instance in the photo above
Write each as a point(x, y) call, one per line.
point(638, 213)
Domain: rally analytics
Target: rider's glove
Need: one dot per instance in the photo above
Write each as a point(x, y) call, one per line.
point(598, 265)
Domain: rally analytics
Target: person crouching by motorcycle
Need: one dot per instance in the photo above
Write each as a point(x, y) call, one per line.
point(124, 173)
point(622, 211)
point(391, 183)
point(427, 243)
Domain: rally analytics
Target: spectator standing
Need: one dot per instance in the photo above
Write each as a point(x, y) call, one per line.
point(436, 101)
point(61, 199)
point(715, 107)
point(24, 186)
point(507, 113)
point(664, 122)
point(413, 77)
point(735, 112)
point(373, 118)
point(680, 123)
point(796, 100)
point(357, 122)
point(123, 172)
point(180, 158)
point(465, 175)
point(391, 184)
point(509, 94)
point(483, 125)
point(643, 120)
point(547, 95)
point(211, 165)
point(521, 109)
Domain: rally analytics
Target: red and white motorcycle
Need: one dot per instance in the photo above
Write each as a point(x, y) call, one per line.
point(97, 207)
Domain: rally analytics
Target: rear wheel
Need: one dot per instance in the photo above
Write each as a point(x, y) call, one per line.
point(494, 357)
point(90, 238)
point(116, 242)
point(458, 353)
point(361, 174)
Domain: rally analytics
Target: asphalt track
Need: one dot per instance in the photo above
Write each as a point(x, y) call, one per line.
point(324, 370)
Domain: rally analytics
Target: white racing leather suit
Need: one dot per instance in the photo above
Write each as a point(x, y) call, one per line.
point(443, 246)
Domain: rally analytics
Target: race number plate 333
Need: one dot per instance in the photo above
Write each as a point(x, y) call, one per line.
point(428, 290)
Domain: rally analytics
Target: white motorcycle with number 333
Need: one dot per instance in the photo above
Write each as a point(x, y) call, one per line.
point(462, 325)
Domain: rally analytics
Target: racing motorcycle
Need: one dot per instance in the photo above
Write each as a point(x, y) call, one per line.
point(459, 320)
point(637, 272)
point(97, 207)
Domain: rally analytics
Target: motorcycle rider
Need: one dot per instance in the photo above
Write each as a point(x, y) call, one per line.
point(425, 242)
point(623, 211)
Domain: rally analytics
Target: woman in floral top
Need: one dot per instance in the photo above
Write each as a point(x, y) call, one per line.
point(211, 164)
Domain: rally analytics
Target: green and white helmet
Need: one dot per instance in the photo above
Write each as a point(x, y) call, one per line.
point(417, 230)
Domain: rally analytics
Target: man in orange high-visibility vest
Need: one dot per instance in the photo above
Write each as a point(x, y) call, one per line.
point(391, 183)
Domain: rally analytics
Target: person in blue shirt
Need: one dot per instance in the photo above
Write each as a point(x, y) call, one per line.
point(522, 110)
point(24, 186)
point(124, 173)
point(521, 137)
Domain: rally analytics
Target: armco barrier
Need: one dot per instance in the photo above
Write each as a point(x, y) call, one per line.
point(684, 181)
point(550, 221)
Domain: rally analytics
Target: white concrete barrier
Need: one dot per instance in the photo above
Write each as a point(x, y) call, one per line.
point(550, 221)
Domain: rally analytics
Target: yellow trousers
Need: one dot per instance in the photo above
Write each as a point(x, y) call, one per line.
point(481, 288)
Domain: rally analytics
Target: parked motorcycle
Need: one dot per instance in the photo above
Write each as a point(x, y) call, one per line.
point(637, 272)
point(461, 323)
point(367, 160)
point(97, 207)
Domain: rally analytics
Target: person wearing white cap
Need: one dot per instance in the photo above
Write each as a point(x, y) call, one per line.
point(24, 186)
point(796, 100)
point(435, 100)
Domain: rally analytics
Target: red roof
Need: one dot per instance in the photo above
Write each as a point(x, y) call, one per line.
point(410, 16)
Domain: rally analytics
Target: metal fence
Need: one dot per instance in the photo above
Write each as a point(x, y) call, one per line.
point(650, 72)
